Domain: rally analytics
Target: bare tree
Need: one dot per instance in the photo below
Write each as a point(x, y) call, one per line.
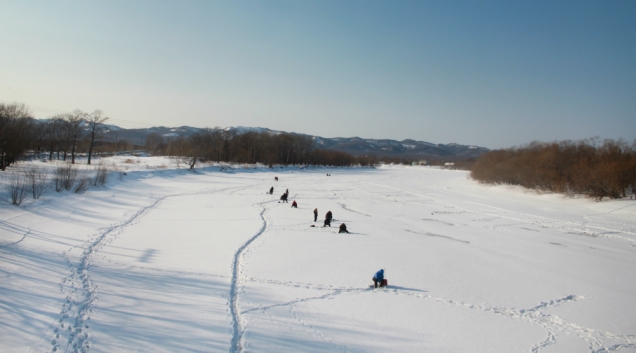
point(15, 123)
point(73, 131)
point(95, 123)
point(154, 142)
point(53, 134)
point(38, 137)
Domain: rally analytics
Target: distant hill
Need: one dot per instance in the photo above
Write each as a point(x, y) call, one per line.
point(353, 145)
point(391, 148)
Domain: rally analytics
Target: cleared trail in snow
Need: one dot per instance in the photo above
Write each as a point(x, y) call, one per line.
point(237, 279)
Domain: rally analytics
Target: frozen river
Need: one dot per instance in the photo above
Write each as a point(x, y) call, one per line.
point(169, 260)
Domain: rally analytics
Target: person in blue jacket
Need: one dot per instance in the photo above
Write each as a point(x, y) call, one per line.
point(379, 276)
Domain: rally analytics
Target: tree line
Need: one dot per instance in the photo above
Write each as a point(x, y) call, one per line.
point(218, 145)
point(589, 167)
point(65, 135)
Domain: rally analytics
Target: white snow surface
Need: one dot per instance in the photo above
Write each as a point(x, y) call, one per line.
point(165, 259)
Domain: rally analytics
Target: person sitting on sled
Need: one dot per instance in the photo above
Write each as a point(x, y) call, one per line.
point(378, 278)
point(343, 228)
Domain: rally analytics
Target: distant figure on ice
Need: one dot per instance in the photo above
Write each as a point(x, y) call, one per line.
point(328, 218)
point(315, 214)
point(283, 197)
point(271, 190)
point(379, 278)
point(294, 204)
point(343, 229)
point(276, 178)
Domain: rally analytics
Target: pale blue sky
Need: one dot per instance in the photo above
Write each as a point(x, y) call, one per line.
point(489, 73)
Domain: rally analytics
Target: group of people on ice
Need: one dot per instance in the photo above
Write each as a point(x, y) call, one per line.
point(328, 217)
point(378, 278)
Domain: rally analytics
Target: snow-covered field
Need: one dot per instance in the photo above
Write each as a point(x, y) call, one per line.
point(170, 260)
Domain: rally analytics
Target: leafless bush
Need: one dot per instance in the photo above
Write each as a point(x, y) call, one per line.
point(81, 185)
point(177, 160)
point(101, 175)
point(65, 177)
point(586, 167)
point(37, 180)
point(192, 161)
point(18, 188)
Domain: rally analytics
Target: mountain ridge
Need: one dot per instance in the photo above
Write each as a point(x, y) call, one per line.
point(357, 146)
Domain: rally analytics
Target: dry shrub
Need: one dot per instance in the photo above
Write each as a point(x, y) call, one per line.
point(587, 167)
point(18, 188)
point(37, 180)
point(101, 174)
point(64, 177)
point(81, 185)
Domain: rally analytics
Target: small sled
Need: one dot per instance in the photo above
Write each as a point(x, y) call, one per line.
point(383, 283)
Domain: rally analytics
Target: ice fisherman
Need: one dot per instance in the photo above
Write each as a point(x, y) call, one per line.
point(271, 190)
point(283, 197)
point(343, 229)
point(328, 218)
point(294, 204)
point(378, 278)
point(315, 214)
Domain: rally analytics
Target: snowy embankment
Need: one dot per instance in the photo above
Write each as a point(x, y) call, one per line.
point(170, 260)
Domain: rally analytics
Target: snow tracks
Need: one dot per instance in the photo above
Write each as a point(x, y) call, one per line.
point(71, 332)
point(237, 279)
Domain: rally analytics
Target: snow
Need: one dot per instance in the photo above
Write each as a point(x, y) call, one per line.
point(165, 259)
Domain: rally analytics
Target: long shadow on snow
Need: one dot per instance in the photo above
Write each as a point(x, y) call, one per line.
point(390, 287)
point(27, 294)
point(160, 311)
